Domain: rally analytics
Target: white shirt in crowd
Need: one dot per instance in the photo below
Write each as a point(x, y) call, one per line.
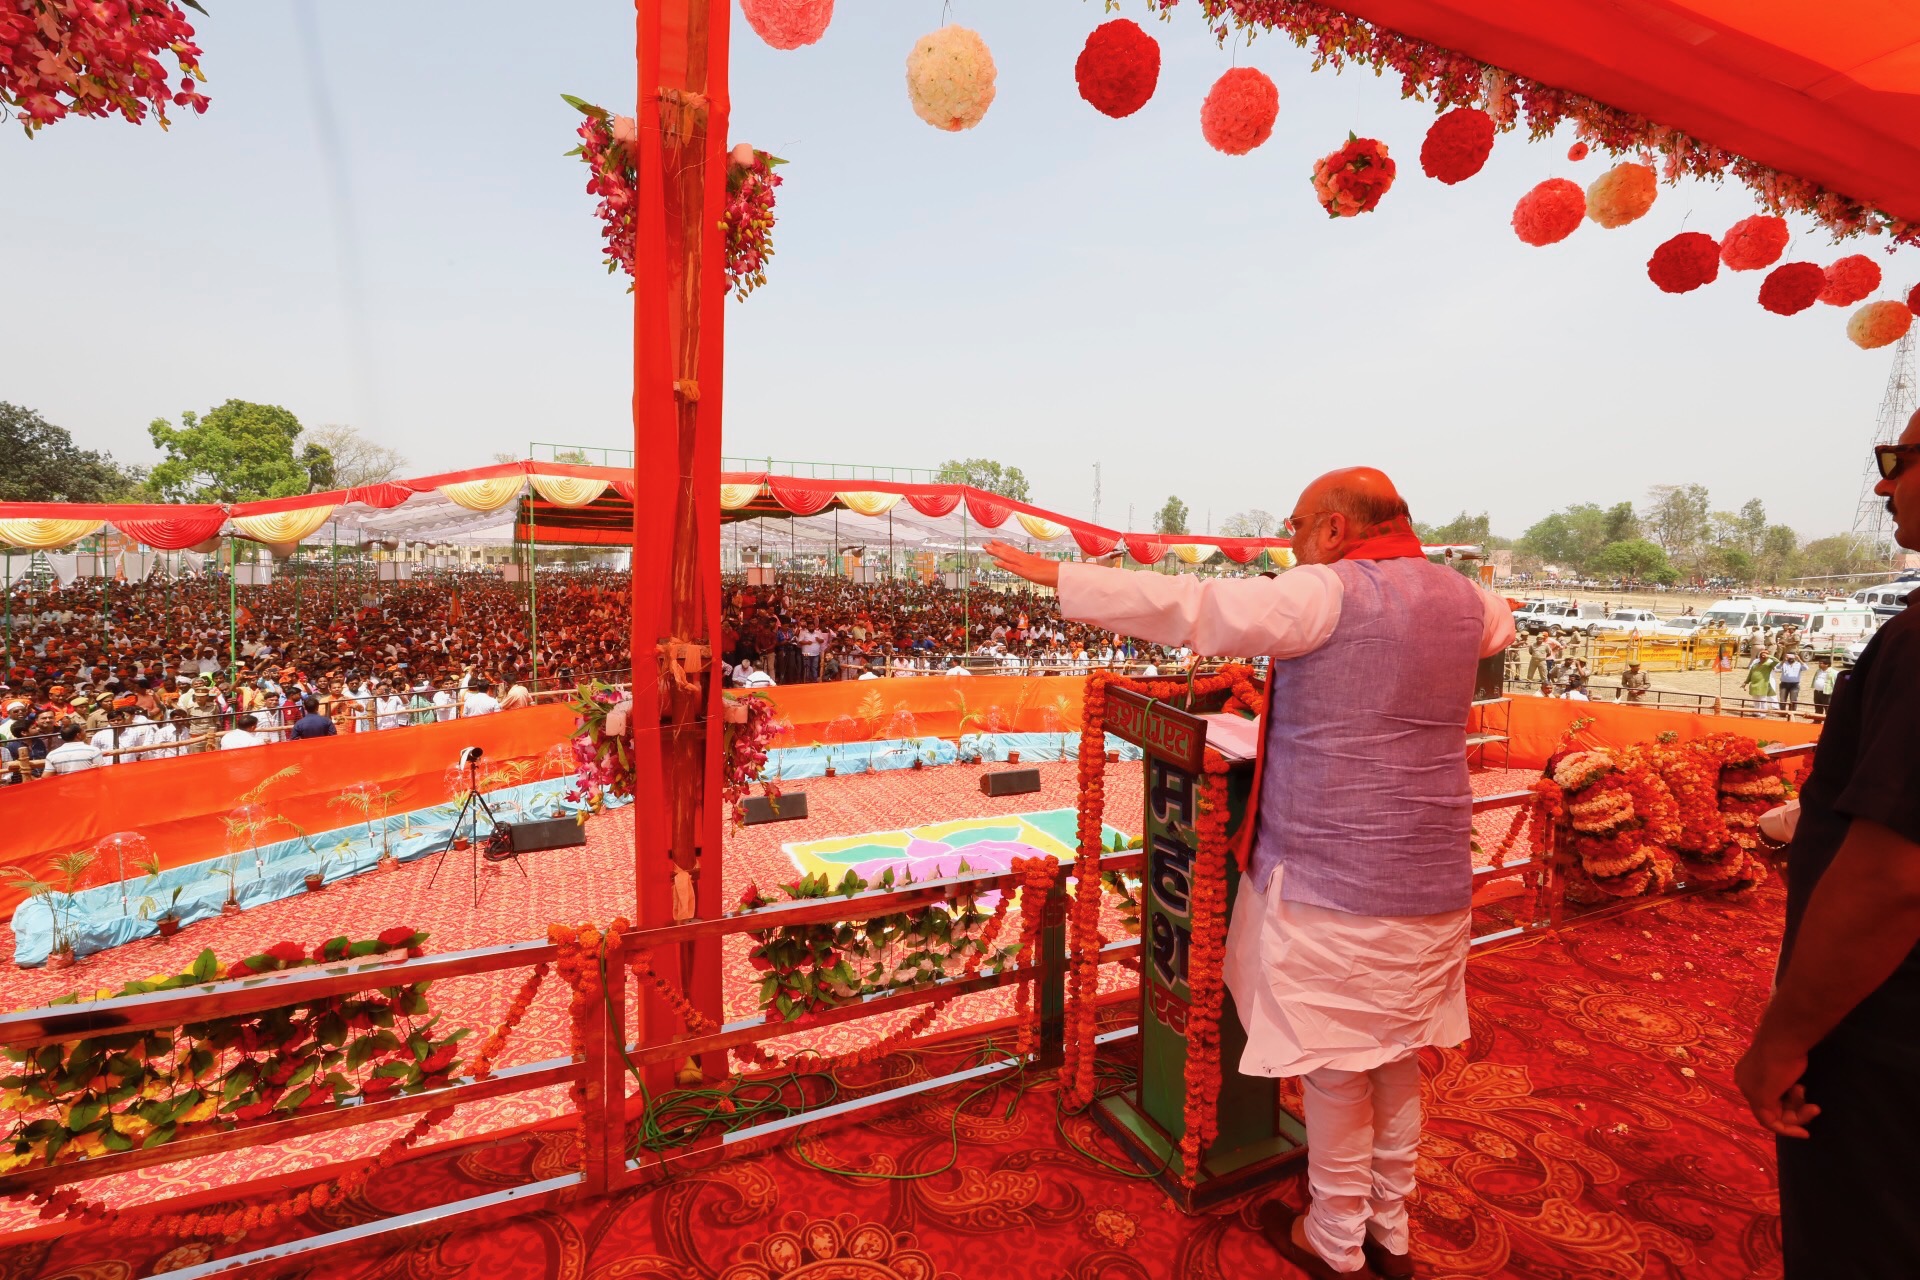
point(103, 741)
point(812, 643)
point(73, 757)
point(391, 711)
point(480, 704)
point(444, 707)
point(239, 738)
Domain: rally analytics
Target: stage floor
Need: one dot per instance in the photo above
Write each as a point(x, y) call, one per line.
point(590, 883)
point(1590, 1129)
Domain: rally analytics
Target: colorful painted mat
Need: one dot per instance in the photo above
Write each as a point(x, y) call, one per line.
point(937, 849)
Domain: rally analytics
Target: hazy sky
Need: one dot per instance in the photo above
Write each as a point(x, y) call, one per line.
point(375, 224)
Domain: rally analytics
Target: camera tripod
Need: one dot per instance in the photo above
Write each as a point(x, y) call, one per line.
point(476, 804)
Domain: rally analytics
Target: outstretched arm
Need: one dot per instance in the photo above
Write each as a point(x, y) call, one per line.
point(1241, 617)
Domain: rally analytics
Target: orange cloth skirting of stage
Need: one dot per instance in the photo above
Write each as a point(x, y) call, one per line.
point(180, 805)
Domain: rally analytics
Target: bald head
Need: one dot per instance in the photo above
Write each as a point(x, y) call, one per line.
point(1339, 509)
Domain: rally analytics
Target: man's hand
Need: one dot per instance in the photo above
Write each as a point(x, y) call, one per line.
point(1769, 1076)
point(1025, 564)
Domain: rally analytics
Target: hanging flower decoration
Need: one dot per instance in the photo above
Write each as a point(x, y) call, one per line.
point(950, 78)
point(1550, 212)
point(1119, 68)
point(92, 59)
point(749, 217)
point(1684, 263)
point(1753, 243)
point(1457, 145)
point(609, 145)
point(1206, 969)
point(1622, 194)
point(1850, 280)
point(1352, 179)
point(1913, 300)
point(788, 24)
point(1879, 324)
point(1239, 112)
point(1577, 152)
point(1792, 287)
point(1449, 78)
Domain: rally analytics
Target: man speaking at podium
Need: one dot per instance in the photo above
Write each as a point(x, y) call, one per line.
point(1348, 945)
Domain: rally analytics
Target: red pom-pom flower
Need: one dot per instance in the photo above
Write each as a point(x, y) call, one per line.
point(1550, 212)
point(1685, 262)
point(1119, 68)
point(1577, 152)
point(1458, 144)
point(1352, 179)
point(1792, 287)
point(1239, 112)
point(1913, 300)
point(1850, 279)
point(1753, 243)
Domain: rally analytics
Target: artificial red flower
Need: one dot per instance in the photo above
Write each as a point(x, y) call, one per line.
point(1550, 212)
point(1119, 68)
point(1577, 152)
point(1792, 287)
point(1457, 145)
point(1913, 300)
point(398, 936)
point(788, 24)
point(287, 952)
point(1685, 262)
point(1755, 242)
point(1850, 280)
point(1351, 180)
point(1239, 111)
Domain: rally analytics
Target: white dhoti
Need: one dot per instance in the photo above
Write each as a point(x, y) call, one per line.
point(1346, 1001)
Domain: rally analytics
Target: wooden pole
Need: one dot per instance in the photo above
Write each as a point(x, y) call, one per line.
point(679, 293)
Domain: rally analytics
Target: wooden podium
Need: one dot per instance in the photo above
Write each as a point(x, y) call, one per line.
point(1258, 1139)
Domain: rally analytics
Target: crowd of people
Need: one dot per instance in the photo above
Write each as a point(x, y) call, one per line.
point(165, 667)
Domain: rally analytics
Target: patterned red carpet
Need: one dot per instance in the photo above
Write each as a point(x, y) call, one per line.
point(1591, 1130)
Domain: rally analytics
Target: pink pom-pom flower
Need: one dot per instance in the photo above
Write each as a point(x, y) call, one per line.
point(1239, 112)
point(1753, 243)
point(1550, 212)
point(788, 24)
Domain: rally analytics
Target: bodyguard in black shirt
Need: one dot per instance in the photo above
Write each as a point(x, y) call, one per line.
point(1834, 1068)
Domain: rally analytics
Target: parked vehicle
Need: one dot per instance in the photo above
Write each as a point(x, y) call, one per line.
point(1888, 598)
point(1740, 613)
point(1556, 616)
point(1686, 627)
point(1830, 626)
point(1623, 622)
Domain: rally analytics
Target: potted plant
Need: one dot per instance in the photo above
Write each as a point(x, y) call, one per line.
point(57, 896)
point(230, 868)
point(372, 803)
point(168, 922)
point(1013, 755)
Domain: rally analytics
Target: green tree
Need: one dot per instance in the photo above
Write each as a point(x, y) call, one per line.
point(1779, 546)
point(1636, 560)
point(1621, 524)
point(238, 452)
point(1571, 538)
point(1463, 529)
point(1836, 557)
point(40, 463)
point(1676, 516)
point(1171, 518)
point(985, 473)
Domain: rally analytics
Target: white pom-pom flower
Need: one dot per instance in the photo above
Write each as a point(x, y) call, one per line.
point(950, 78)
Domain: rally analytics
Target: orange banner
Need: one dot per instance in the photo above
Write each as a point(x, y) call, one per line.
point(180, 804)
point(1540, 724)
point(931, 706)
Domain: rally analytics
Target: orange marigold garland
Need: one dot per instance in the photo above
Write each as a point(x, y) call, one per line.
point(1037, 876)
point(1613, 849)
point(1083, 943)
point(1206, 960)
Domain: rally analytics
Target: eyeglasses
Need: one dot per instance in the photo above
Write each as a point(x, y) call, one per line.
point(1293, 524)
point(1892, 456)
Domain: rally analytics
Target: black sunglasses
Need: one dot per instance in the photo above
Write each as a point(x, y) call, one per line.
point(1891, 456)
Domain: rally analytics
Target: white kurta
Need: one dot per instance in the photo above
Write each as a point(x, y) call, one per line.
point(1314, 987)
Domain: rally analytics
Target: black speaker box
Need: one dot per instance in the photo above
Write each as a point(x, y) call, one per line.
point(1490, 681)
point(788, 808)
point(557, 833)
point(1009, 782)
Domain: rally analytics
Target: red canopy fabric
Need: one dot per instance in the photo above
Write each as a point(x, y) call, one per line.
point(173, 532)
point(1145, 550)
point(1827, 92)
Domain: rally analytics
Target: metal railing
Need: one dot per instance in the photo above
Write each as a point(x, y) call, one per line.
point(831, 470)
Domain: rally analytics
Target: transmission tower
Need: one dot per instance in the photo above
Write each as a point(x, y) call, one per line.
point(1096, 493)
point(1872, 529)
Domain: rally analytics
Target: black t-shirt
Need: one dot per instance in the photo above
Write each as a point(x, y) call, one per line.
point(1866, 766)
